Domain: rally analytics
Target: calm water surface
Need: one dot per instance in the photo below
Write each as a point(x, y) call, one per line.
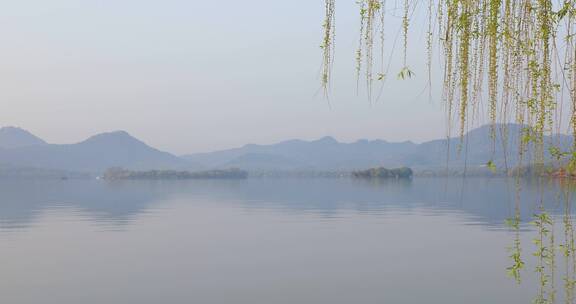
point(268, 241)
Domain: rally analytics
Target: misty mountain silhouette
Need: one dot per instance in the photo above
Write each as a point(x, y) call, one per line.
point(19, 148)
point(96, 154)
point(13, 137)
point(476, 148)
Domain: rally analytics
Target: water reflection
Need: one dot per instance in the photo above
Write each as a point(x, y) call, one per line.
point(553, 239)
point(22, 202)
point(446, 238)
point(490, 202)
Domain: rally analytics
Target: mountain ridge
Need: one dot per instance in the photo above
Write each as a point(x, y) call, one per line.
point(95, 154)
point(120, 149)
point(476, 148)
point(15, 137)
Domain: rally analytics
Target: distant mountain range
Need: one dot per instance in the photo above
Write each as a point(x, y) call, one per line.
point(12, 137)
point(96, 154)
point(21, 149)
point(476, 148)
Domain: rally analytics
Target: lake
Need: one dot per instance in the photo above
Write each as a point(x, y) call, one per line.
point(256, 241)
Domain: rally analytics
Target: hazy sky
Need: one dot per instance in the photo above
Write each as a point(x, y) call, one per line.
point(191, 76)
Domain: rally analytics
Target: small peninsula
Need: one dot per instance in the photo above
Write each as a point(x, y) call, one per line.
point(122, 174)
point(398, 173)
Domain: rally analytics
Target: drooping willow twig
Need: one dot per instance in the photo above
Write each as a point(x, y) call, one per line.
point(508, 43)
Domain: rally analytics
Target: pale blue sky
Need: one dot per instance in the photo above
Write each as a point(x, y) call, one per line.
point(192, 76)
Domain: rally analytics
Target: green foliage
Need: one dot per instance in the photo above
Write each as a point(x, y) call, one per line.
point(372, 14)
point(511, 49)
point(523, 53)
point(384, 173)
point(490, 165)
point(327, 45)
point(404, 73)
point(515, 250)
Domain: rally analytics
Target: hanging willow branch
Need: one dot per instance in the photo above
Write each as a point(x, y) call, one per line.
point(507, 48)
point(372, 13)
point(327, 45)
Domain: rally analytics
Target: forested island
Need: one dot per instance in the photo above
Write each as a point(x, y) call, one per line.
point(381, 172)
point(119, 174)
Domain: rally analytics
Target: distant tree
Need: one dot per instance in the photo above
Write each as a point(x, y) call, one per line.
point(384, 173)
point(119, 173)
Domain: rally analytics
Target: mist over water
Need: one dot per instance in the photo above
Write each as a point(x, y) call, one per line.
point(266, 241)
